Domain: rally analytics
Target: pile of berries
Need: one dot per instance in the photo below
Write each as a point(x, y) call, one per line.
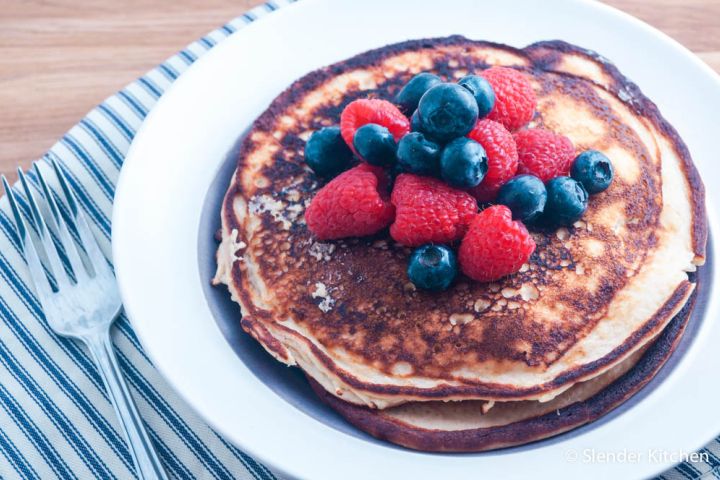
point(445, 147)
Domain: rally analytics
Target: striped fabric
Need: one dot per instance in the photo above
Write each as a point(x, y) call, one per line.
point(55, 417)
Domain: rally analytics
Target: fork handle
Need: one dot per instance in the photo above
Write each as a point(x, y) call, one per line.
point(147, 463)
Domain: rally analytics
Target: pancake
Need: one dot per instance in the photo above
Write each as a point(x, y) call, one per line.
point(588, 299)
point(467, 426)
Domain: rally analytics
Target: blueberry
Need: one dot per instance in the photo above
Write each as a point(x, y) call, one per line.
point(417, 154)
point(525, 196)
point(415, 124)
point(375, 144)
point(432, 267)
point(410, 94)
point(327, 153)
point(463, 163)
point(593, 169)
point(482, 91)
point(567, 200)
point(447, 111)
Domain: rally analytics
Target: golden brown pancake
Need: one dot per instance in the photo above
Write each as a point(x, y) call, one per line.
point(468, 426)
point(590, 296)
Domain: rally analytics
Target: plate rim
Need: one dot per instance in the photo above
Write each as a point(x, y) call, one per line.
point(125, 245)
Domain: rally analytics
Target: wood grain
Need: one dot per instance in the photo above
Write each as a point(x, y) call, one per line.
point(60, 58)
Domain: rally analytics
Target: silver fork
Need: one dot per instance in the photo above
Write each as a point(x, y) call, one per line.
point(84, 308)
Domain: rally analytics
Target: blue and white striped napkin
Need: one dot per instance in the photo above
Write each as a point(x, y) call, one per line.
point(55, 418)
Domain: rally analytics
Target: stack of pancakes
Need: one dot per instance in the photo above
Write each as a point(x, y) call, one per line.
point(583, 326)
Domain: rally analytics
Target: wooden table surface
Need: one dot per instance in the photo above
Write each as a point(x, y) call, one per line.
point(60, 58)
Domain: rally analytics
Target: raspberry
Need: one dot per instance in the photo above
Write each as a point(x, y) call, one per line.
point(353, 204)
point(370, 110)
point(514, 97)
point(429, 211)
point(495, 245)
point(543, 153)
point(502, 158)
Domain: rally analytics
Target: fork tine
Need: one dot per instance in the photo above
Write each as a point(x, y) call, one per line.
point(65, 238)
point(37, 274)
point(97, 259)
point(61, 278)
point(20, 227)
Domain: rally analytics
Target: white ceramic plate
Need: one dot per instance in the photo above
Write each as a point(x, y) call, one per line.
point(186, 138)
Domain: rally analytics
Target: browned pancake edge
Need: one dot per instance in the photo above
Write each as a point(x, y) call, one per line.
point(377, 424)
